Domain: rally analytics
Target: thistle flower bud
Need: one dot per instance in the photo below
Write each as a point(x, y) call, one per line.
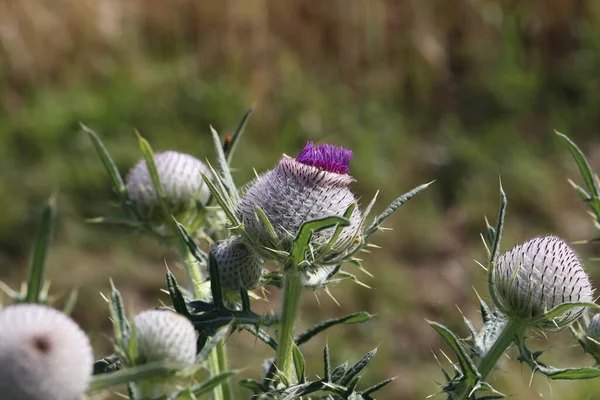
point(311, 186)
point(180, 177)
point(44, 355)
point(238, 265)
point(593, 329)
point(165, 336)
point(537, 276)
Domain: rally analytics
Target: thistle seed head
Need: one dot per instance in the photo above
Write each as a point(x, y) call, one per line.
point(180, 177)
point(238, 265)
point(165, 336)
point(44, 355)
point(537, 276)
point(312, 186)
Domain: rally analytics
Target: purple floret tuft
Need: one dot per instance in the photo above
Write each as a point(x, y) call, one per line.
point(326, 156)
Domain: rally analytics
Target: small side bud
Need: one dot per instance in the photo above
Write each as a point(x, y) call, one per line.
point(238, 265)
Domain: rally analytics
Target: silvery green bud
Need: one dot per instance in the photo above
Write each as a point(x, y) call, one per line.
point(593, 329)
point(537, 276)
point(180, 177)
point(238, 264)
point(311, 186)
point(165, 336)
point(44, 355)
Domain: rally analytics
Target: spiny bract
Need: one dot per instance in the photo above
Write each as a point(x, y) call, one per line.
point(537, 276)
point(312, 186)
point(180, 177)
point(44, 355)
point(238, 264)
point(163, 335)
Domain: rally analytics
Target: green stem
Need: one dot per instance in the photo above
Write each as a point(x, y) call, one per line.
point(505, 339)
point(289, 313)
point(217, 359)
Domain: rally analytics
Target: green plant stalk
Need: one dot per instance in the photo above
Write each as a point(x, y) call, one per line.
point(217, 360)
point(505, 339)
point(289, 313)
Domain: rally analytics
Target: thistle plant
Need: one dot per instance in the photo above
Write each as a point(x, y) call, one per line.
point(587, 330)
point(540, 285)
point(302, 216)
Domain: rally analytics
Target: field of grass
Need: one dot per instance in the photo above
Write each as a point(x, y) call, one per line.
point(462, 92)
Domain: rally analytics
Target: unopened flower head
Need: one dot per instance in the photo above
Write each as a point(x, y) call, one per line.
point(238, 265)
point(44, 355)
point(593, 329)
point(537, 276)
point(311, 186)
point(164, 335)
point(180, 177)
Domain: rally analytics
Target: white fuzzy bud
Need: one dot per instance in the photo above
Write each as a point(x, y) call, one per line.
point(165, 336)
point(238, 265)
point(44, 355)
point(537, 276)
point(180, 177)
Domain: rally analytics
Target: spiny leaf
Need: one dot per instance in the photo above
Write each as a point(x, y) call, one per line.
point(215, 282)
point(562, 308)
point(393, 207)
point(569, 373)
point(376, 387)
point(305, 233)
point(109, 164)
point(119, 317)
point(468, 369)
point(358, 367)
point(262, 335)
point(299, 364)
point(354, 318)
point(223, 166)
point(132, 374)
point(208, 385)
point(499, 225)
point(584, 167)
point(237, 134)
point(338, 372)
point(187, 239)
point(176, 295)
point(39, 253)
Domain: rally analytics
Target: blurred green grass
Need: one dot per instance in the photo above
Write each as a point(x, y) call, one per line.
point(461, 92)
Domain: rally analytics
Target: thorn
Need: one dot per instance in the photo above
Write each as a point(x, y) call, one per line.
point(481, 265)
point(487, 249)
point(330, 295)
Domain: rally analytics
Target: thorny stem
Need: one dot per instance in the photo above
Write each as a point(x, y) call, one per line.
point(512, 329)
point(289, 313)
point(217, 359)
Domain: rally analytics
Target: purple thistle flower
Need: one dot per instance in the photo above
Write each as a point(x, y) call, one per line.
point(537, 276)
point(326, 156)
point(312, 186)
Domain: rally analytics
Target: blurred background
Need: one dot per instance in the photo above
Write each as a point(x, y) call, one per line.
point(460, 91)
